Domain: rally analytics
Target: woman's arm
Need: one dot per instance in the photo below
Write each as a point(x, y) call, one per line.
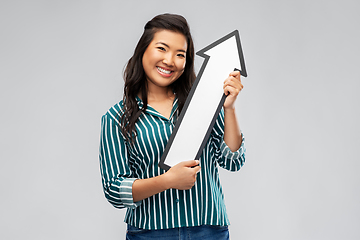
point(182, 176)
point(232, 133)
point(115, 173)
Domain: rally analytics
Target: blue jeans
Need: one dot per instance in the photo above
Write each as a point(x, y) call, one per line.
point(207, 232)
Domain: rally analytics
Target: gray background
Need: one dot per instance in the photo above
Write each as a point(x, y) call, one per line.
point(61, 69)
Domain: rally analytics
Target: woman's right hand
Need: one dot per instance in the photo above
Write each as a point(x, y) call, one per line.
point(182, 176)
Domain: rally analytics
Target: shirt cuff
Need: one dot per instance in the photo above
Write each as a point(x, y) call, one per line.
point(125, 193)
point(227, 153)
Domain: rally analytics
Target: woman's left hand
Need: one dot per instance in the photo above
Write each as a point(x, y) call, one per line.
point(232, 87)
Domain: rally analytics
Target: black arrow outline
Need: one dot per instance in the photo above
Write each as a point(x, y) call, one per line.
point(201, 53)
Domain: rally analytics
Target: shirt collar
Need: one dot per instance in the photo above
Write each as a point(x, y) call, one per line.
point(152, 111)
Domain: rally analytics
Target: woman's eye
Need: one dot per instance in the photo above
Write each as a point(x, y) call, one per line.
point(161, 48)
point(181, 55)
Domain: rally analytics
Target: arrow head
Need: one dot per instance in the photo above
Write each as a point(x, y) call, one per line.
point(226, 52)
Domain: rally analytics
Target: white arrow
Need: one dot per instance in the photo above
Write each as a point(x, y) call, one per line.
point(205, 100)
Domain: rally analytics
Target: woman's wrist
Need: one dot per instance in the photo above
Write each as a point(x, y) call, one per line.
point(230, 109)
point(165, 180)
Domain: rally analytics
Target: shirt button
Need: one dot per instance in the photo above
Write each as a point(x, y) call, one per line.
point(177, 200)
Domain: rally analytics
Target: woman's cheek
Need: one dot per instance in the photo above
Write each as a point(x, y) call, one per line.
point(183, 65)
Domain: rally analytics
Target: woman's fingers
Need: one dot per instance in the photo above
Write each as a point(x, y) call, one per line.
point(234, 82)
point(197, 170)
point(235, 74)
point(183, 174)
point(232, 87)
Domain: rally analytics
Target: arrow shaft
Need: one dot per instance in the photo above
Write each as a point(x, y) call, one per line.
point(195, 124)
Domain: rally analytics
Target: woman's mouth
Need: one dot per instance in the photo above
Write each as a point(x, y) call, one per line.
point(164, 72)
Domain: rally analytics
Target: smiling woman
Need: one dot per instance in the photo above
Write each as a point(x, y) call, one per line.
point(136, 84)
point(164, 59)
point(187, 199)
point(164, 62)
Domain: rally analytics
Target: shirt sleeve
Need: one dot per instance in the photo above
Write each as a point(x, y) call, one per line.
point(226, 159)
point(117, 178)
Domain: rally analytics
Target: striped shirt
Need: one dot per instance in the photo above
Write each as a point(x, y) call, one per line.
point(122, 163)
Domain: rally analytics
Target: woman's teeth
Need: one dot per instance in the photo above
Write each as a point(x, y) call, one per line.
point(163, 70)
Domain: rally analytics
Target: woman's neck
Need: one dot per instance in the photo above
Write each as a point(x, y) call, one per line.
point(159, 94)
point(161, 99)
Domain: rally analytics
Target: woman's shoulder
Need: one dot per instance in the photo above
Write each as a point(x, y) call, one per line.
point(115, 112)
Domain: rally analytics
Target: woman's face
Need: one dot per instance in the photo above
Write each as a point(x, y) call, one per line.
point(165, 57)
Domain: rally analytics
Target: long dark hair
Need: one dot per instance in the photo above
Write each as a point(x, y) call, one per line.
point(135, 78)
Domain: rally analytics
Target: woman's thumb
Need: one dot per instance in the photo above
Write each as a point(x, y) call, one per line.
point(191, 163)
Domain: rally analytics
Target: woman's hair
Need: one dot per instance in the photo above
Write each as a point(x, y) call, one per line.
point(135, 78)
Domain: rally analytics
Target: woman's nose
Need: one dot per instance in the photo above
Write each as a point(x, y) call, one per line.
point(168, 60)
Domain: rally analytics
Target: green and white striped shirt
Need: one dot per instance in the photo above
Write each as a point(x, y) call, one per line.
point(122, 163)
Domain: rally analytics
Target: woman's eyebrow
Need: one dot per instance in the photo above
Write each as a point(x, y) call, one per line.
point(180, 50)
